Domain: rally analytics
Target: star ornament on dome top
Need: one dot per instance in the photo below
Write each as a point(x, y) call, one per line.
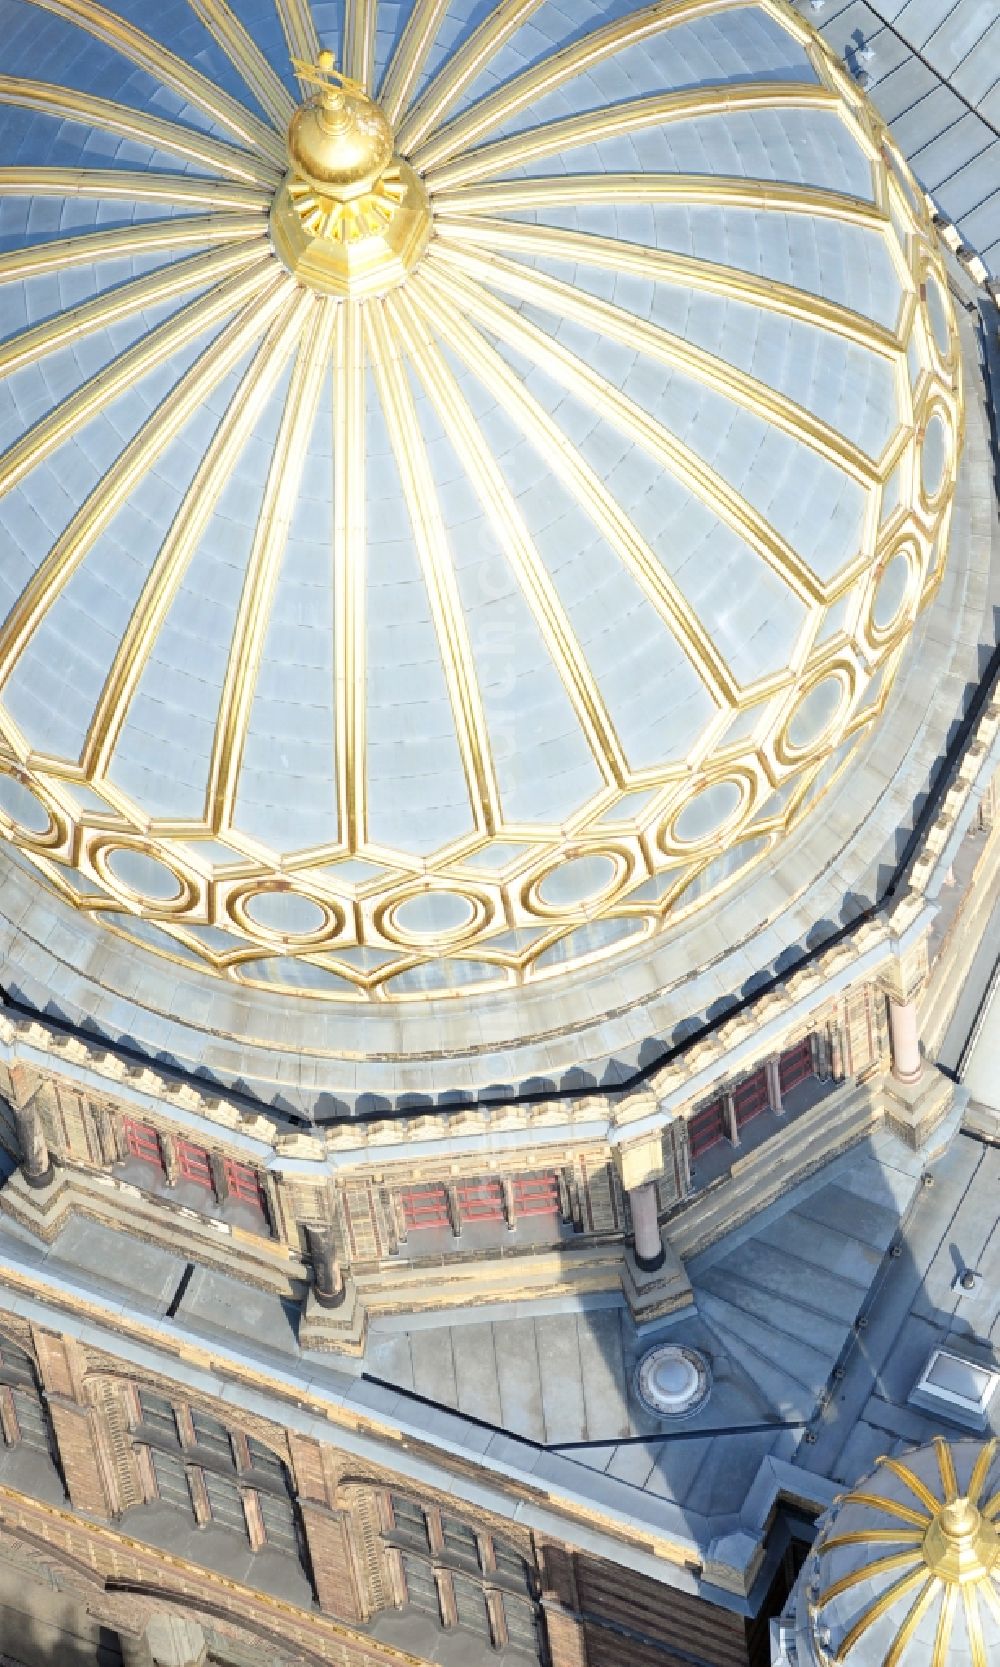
point(323, 73)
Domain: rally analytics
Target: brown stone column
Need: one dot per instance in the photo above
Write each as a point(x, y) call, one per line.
point(904, 1034)
point(328, 1539)
point(649, 1252)
point(328, 1285)
point(34, 1147)
point(775, 1101)
point(567, 1640)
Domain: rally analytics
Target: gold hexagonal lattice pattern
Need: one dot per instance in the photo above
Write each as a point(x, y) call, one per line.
point(469, 631)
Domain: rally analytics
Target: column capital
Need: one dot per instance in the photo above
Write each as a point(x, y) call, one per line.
point(640, 1161)
point(902, 977)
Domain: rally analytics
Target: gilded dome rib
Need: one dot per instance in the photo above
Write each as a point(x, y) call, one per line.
point(119, 185)
point(436, 301)
point(590, 492)
point(312, 368)
point(385, 352)
point(279, 318)
point(915, 1614)
point(154, 349)
point(566, 301)
point(359, 41)
point(508, 196)
point(915, 1485)
point(946, 1467)
point(618, 255)
point(974, 1627)
point(519, 547)
point(879, 1607)
point(981, 1470)
point(461, 70)
point(163, 284)
point(410, 55)
point(165, 66)
point(889, 1507)
point(704, 482)
point(111, 491)
point(299, 28)
point(122, 241)
point(49, 99)
point(246, 57)
point(726, 98)
point(349, 559)
point(945, 1626)
point(554, 71)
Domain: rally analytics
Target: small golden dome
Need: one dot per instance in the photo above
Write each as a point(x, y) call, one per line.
point(339, 141)
point(907, 1567)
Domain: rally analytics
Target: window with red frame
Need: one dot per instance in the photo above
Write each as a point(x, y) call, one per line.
point(193, 1164)
point(480, 1200)
point(706, 1128)
point(143, 1142)
point(750, 1098)
point(536, 1195)
point(424, 1207)
point(795, 1065)
point(243, 1184)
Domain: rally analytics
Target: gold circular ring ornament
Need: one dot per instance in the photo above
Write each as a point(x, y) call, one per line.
point(27, 816)
point(937, 455)
point(142, 877)
point(282, 914)
point(819, 711)
point(579, 882)
point(434, 915)
point(439, 625)
point(710, 812)
point(894, 594)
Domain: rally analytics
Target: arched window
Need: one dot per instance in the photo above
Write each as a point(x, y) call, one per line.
point(23, 1418)
point(190, 1460)
point(462, 1577)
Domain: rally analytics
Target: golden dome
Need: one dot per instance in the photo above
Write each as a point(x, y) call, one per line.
point(907, 1567)
point(434, 571)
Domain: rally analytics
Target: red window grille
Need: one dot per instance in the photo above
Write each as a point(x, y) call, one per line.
point(243, 1184)
point(480, 1200)
point(706, 1128)
point(424, 1207)
point(536, 1195)
point(193, 1163)
point(143, 1142)
point(750, 1098)
point(796, 1064)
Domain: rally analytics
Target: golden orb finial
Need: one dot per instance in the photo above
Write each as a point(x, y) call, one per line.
point(339, 141)
point(351, 218)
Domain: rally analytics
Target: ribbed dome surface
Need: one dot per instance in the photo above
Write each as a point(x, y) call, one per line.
point(906, 1569)
point(460, 634)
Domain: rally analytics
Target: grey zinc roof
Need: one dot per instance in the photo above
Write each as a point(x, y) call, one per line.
point(934, 72)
